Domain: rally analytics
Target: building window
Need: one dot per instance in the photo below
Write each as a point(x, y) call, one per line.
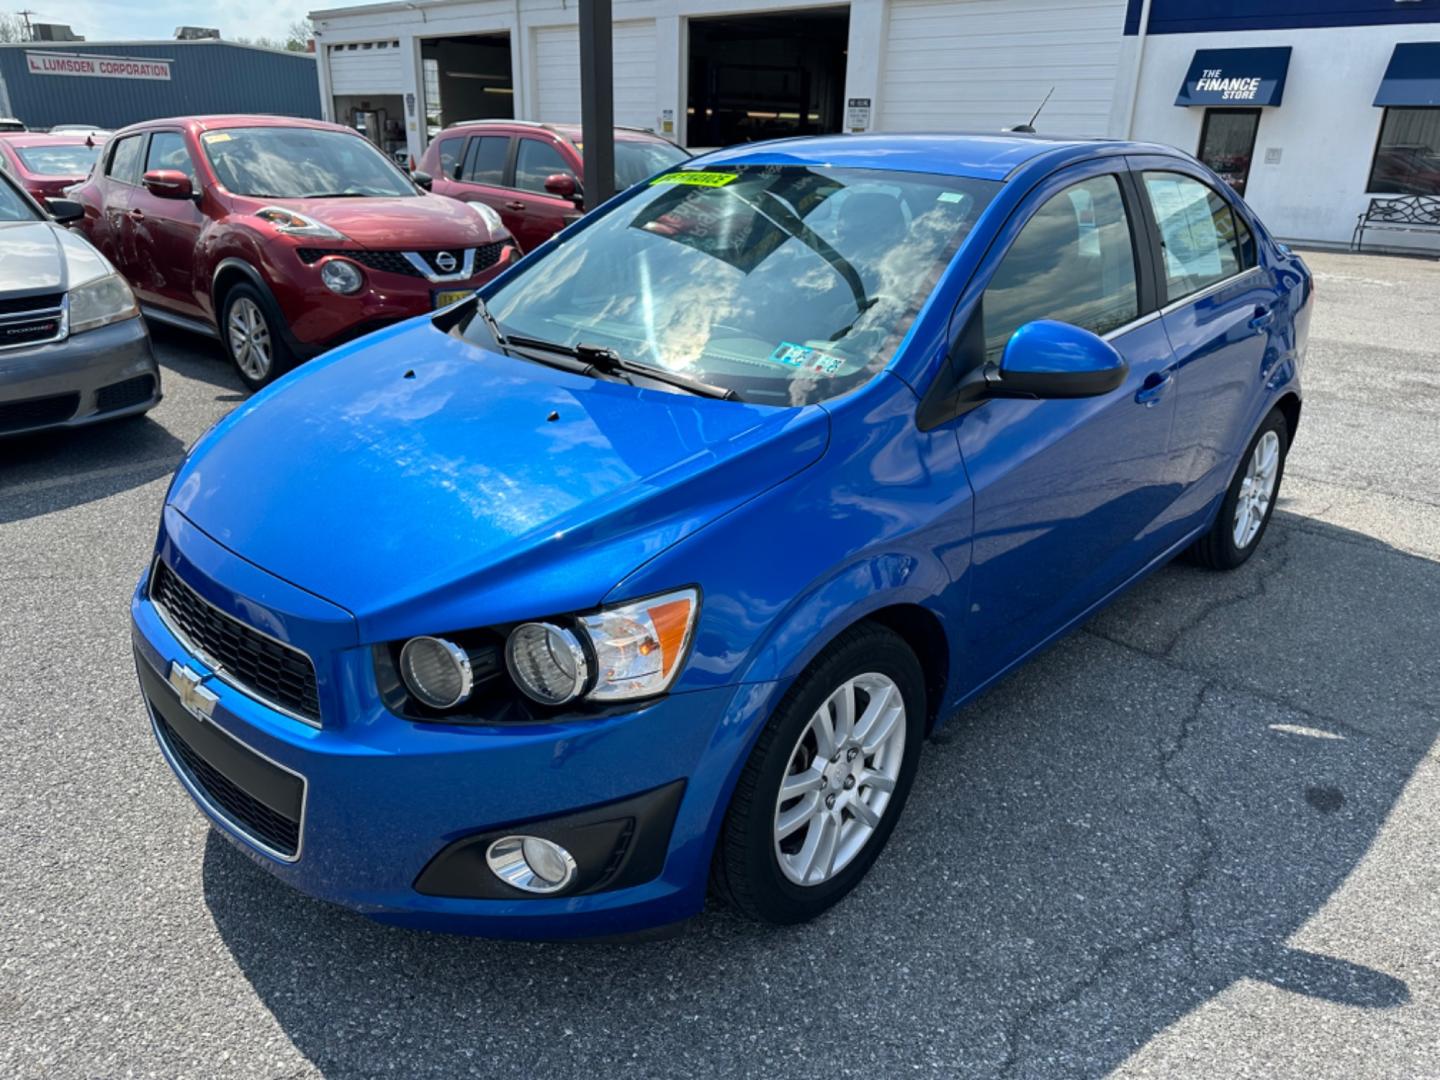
point(1407, 157)
point(1227, 144)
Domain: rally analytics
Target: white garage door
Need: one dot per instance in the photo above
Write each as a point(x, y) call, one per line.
point(367, 67)
point(984, 65)
point(557, 74)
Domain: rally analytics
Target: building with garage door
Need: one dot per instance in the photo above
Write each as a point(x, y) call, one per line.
point(1310, 107)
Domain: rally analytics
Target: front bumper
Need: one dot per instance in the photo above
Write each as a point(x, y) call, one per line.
point(84, 378)
point(381, 798)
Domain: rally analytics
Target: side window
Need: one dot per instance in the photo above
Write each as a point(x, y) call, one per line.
point(536, 161)
point(450, 154)
point(1198, 234)
point(125, 160)
point(1246, 240)
point(485, 163)
point(1074, 261)
point(167, 151)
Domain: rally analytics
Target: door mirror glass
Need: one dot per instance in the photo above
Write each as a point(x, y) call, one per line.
point(423, 180)
point(561, 185)
point(168, 184)
point(1048, 359)
point(64, 211)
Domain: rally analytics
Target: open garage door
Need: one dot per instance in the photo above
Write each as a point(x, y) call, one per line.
point(766, 76)
point(467, 78)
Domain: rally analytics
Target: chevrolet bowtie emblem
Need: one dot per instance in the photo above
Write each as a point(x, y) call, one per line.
point(198, 701)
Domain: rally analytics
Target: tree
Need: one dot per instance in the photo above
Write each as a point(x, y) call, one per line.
point(296, 39)
point(12, 28)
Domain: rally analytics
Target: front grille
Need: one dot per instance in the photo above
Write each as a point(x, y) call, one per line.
point(394, 262)
point(487, 255)
point(273, 829)
point(277, 673)
point(122, 395)
point(38, 412)
point(17, 304)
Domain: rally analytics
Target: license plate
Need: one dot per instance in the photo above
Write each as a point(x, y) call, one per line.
point(446, 297)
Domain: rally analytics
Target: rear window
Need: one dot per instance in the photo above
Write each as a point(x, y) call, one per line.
point(637, 160)
point(58, 160)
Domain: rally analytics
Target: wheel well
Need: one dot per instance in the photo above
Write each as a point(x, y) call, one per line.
point(925, 635)
point(225, 280)
point(1289, 407)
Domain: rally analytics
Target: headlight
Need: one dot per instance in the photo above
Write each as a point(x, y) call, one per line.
point(293, 223)
point(638, 646)
point(100, 302)
point(492, 220)
point(547, 662)
point(341, 277)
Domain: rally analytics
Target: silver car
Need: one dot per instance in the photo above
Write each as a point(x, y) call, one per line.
point(73, 348)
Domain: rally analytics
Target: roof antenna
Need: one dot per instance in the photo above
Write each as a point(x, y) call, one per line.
point(1028, 128)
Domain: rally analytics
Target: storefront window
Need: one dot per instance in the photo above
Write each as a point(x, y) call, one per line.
point(1227, 143)
point(1407, 157)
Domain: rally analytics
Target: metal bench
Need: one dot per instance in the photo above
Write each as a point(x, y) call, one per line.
point(1402, 213)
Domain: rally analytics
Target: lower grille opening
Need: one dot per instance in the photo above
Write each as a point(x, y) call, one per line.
point(37, 412)
point(123, 395)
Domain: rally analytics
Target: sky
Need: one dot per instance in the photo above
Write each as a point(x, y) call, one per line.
point(125, 20)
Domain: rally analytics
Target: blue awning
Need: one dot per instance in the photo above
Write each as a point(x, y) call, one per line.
point(1236, 77)
point(1413, 77)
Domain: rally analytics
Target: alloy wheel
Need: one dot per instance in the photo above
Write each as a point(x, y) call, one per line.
point(841, 775)
point(1256, 489)
point(250, 339)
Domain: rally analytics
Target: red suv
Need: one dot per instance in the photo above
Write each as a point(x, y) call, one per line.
point(45, 165)
point(281, 237)
point(530, 173)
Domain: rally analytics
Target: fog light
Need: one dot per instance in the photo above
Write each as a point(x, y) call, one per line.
point(436, 671)
point(341, 277)
point(531, 863)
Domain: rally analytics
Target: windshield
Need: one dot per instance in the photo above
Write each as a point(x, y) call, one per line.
point(785, 284)
point(636, 160)
point(301, 163)
point(58, 160)
point(13, 205)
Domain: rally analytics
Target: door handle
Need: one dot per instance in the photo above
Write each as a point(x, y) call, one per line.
point(135, 215)
point(1262, 318)
point(1154, 388)
point(514, 204)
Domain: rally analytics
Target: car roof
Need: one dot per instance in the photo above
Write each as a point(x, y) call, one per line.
point(219, 121)
point(569, 131)
point(979, 155)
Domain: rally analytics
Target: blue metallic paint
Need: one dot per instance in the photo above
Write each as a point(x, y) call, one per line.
point(349, 505)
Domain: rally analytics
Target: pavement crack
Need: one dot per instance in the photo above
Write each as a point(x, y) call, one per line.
point(1210, 842)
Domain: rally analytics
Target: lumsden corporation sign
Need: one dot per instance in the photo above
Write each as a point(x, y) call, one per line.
point(96, 66)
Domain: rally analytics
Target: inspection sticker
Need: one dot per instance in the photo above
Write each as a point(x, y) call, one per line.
point(216, 136)
point(806, 358)
point(696, 179)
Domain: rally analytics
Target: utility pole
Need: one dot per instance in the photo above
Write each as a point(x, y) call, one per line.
point(29, 33)
point(597, 101)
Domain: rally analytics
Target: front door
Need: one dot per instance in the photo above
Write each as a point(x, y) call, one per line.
point(1227, 144)
point(1070, 495)
point(542, 214)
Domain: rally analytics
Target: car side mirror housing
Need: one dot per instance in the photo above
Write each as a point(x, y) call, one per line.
point(561, 185)
point(168, 184)
point(423, 180)
point(1049, 359)
point(64, 211)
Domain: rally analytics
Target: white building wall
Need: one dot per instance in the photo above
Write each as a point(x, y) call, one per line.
point(1325, 128)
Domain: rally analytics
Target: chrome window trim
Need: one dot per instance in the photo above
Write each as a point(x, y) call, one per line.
point(466, 271)
point(1200, 294)
point(40, 315)
point(218, 669)
point(1133, 324)
point(197, 793)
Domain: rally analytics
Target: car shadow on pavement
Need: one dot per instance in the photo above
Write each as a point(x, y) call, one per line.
point(197, 357)
point(1164, 806)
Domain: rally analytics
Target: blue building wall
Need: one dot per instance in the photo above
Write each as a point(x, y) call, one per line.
point(205, 77)
point(1201, 16)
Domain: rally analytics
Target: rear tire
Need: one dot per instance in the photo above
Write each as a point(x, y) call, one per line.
point(784, 857)
point(1249, 501)
point(250, 332)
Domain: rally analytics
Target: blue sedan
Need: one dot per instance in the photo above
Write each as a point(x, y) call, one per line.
point(644, 574)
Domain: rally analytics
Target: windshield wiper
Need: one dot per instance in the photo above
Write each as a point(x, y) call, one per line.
point(336, 195)
point(606, 361)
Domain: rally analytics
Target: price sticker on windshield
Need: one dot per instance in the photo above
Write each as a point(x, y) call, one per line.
point(696, 179)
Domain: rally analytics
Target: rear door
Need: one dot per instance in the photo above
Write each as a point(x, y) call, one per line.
point(122, 162)
point(483, 171)
point(445, 162)
point(1218, 313)
point(542, 215)
point(165, 231)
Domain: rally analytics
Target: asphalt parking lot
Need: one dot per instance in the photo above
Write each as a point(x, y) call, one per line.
point(1199, 837)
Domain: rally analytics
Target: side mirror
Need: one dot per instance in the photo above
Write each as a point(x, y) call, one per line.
point(1048, 359)
point(423, 180)
point(168, 184)
point(561, 185)
point(64, 211)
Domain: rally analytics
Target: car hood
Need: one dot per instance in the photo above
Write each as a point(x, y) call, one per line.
point(41, 257)
point(418, 222)
point(427, 485)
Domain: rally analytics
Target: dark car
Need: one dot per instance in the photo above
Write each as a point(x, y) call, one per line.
point(281, 237)
point(46, 165)
point(73, 348)
point(530, 173)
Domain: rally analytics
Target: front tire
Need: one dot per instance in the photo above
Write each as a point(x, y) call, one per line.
point(826, 781)
point(252, 337)
point(1249, 501)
